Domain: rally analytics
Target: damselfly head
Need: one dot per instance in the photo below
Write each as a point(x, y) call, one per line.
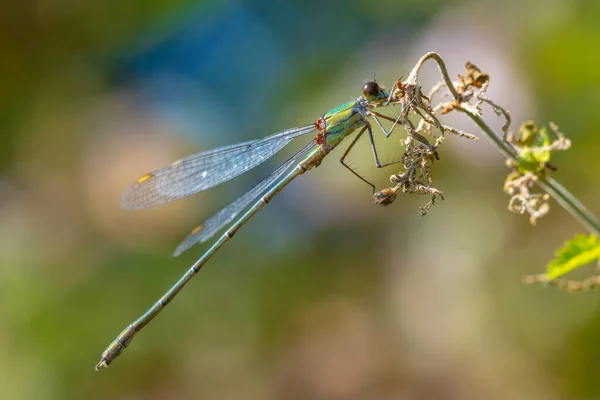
point(373, 92)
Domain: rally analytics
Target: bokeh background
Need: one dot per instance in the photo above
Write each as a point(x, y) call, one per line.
point(323, 295)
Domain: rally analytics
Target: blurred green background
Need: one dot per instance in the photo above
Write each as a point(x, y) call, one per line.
point(323, 295)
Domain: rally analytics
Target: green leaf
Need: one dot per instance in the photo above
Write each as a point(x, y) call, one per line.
point(529, 160)
point(577, 252)
point(544, 139)
point(531, 138)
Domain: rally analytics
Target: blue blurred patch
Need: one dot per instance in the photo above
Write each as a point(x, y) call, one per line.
point(212, 75)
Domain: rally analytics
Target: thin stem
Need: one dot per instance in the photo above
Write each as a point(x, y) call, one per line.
point(412, 77)
point(501, 145)
point(551, 186)
point(571, 204)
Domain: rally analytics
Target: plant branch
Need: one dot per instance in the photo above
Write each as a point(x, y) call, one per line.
point(551, 186)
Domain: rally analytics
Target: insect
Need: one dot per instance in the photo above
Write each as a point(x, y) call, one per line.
point(210, 168)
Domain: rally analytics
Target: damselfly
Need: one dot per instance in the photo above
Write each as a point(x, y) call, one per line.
point(205, 170)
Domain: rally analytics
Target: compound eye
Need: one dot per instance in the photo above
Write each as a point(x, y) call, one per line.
point(371, 91)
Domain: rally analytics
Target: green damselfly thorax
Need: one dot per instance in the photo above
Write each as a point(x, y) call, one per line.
point(207, 169)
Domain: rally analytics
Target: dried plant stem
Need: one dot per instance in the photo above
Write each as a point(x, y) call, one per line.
point(441, 65)
point(551, 186)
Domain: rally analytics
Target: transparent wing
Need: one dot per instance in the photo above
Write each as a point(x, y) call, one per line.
point(205, 170)
point(215, 223)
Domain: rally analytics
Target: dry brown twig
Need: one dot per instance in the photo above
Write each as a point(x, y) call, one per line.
point(527, 152)
point(419, 153)
point(568, 285)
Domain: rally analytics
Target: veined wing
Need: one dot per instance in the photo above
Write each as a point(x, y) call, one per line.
point(204, 170)
point(215, 223)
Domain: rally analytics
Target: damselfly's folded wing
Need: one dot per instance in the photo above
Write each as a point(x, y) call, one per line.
point(205, 170)
point(227, 214)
